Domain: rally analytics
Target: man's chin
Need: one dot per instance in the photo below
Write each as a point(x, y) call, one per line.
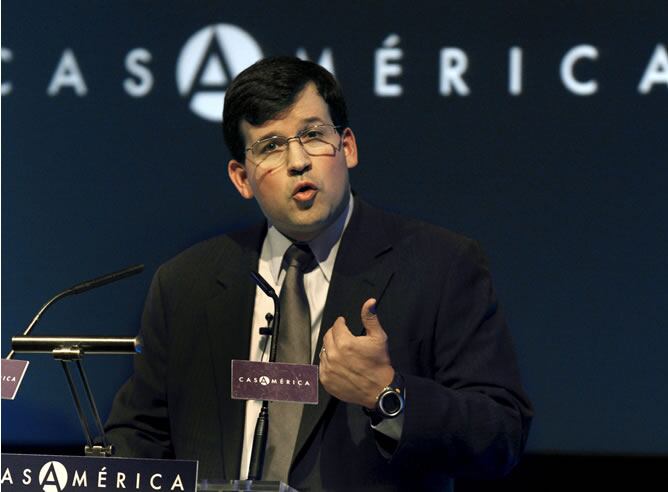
point(305, 230)
point(303, 205)
point(308, 223)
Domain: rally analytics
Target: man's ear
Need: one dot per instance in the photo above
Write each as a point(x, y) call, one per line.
point(239, 177)
point(349, 147)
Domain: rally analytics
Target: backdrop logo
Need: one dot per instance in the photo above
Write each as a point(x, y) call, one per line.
point(53, 477)
point(210, 59)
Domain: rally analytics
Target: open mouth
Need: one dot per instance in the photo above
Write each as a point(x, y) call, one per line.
point(304, 191)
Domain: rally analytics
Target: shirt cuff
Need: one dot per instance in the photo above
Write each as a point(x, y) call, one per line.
point(390, 427)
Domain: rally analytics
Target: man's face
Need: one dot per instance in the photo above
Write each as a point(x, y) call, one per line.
point(308, 193)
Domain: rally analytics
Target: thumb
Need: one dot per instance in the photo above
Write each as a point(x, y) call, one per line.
point(370, 319)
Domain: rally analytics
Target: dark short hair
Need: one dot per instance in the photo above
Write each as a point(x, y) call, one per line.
point(267, 88)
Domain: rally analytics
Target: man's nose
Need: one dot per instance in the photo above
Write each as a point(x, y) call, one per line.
point(298, 160)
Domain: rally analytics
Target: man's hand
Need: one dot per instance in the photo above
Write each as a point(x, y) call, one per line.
point(356, 369)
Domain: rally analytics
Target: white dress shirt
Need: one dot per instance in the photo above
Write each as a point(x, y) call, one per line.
point(316, 283)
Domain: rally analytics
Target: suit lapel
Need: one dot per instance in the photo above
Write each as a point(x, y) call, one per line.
point(361, 271)
point(230, 315)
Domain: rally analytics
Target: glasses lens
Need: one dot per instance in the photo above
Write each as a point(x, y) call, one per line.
point(269, 152)
point(319, 140)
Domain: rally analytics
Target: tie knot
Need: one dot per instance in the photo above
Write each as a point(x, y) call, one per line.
point(299, 256)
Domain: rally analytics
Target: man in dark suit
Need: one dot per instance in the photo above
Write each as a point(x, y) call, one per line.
point(418, 377)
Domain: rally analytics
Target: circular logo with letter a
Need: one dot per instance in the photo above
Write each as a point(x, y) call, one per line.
point(210, 59)
point(53, 477)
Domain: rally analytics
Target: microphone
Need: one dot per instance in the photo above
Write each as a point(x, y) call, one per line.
point(78, 289)
point(275, 321)
point(106, 279)
point(262, 424)
point(264, 285)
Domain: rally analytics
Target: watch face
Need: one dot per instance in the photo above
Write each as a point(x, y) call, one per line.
point(391, 403)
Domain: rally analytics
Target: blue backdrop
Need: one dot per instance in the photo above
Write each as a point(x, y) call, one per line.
point(537, 128)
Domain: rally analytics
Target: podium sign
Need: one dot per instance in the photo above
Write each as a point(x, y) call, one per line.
point(12, 375)
point(40, 473)
point(274, 381)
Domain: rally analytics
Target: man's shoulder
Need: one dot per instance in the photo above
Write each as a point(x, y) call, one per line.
point(413, 233)
point(420, 249)
point(209, 256)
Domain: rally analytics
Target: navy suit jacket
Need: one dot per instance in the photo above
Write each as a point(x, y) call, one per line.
point(466, 412)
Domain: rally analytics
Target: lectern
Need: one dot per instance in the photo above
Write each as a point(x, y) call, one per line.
point(244, 485)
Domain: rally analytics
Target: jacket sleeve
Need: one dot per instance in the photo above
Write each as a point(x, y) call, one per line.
point(466, 412)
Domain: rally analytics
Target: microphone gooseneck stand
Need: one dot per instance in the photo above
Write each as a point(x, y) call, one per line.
point(72, 349)
point(78, 289)
point(261, 433)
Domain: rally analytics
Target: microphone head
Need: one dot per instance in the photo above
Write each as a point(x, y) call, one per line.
point(263, 284)
point(106, 279)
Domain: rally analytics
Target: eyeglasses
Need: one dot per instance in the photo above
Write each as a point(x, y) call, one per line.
point(316, 140)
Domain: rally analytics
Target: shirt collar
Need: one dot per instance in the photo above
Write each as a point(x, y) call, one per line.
point(324, 247)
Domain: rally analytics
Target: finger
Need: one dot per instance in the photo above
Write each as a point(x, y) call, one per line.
point(322, 357)
point(322, 351)
point(327, 340)
point(370, 319)
point(323, 368)
point(339, 332)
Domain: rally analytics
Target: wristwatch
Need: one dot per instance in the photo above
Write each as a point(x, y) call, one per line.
point(390, 402)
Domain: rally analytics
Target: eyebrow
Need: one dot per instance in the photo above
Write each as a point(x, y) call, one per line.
point(306, 123)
